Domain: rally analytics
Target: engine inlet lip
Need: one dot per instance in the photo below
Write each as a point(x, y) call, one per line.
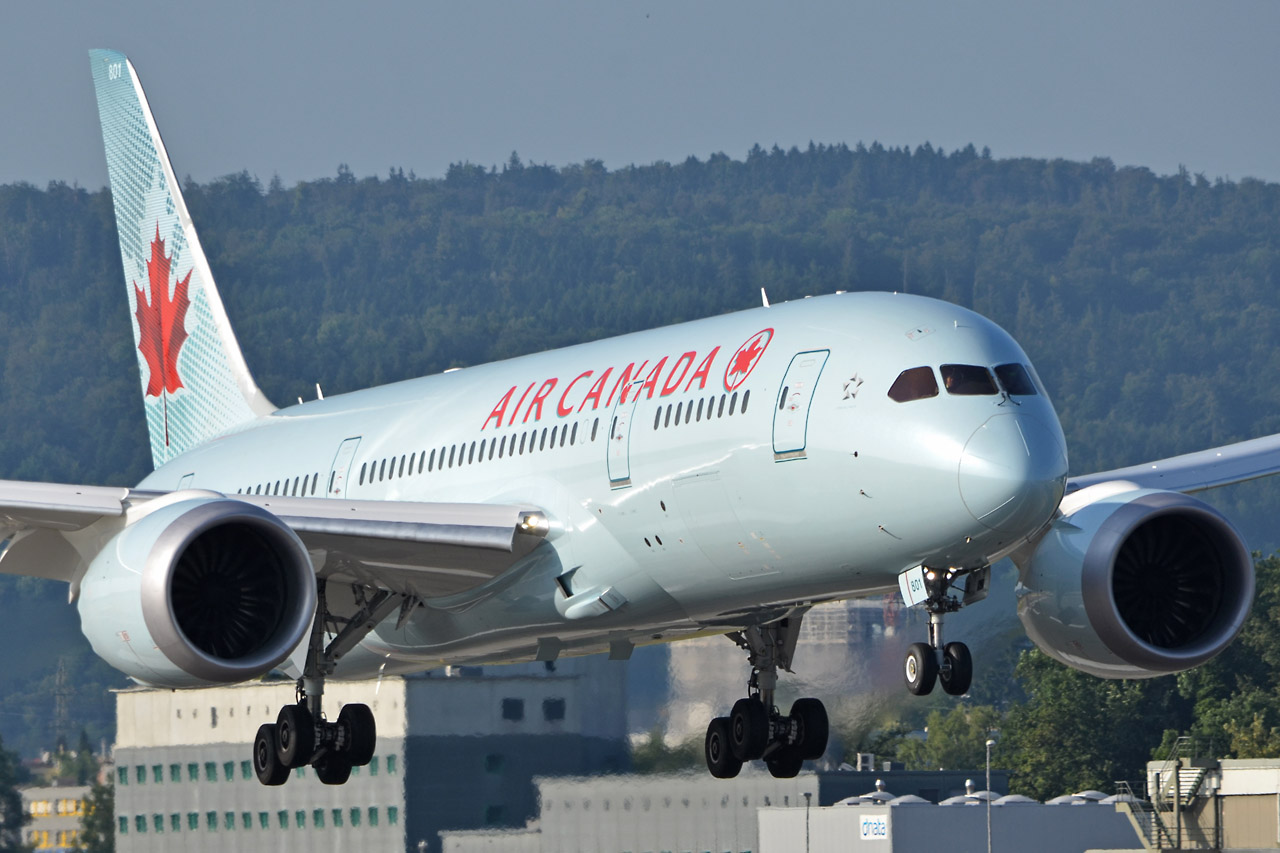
point(157, 578)
point(1098, 575)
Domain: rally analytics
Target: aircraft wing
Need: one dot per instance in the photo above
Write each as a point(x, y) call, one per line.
point(1196, 472)
point(415, 548)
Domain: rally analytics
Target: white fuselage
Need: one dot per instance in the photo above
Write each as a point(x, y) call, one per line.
point(703, 475)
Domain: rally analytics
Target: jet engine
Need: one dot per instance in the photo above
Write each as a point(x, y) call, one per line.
point(201, 590)
point(1135, 583)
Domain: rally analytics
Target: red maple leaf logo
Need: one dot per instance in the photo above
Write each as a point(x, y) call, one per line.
point(162, 321)
point(746, 358)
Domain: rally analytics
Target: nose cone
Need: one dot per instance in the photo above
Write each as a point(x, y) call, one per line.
point(1012, 473)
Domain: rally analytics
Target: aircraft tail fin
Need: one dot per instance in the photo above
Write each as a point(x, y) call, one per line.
point(195, 383)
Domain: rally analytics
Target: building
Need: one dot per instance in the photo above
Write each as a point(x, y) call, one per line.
point(685, 811)
point(455, 749)
point(911, 824)
point(55, 817)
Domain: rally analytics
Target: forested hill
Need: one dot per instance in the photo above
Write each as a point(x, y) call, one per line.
point(1150, 305)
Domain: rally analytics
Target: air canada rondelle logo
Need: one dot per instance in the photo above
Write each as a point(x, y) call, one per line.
point(746, 358)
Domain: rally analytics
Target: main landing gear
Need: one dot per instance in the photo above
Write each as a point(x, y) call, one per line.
point(301, 735)
point(951, 664)
point(755, 728)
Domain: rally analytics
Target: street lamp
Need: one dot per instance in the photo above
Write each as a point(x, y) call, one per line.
point(990, 743)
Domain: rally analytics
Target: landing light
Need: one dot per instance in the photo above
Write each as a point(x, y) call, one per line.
point(534, 524)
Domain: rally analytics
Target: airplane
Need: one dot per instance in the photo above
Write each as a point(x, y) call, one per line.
point(720, 476)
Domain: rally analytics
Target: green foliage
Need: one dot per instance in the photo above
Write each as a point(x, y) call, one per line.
point(97, 827)
point(954, 739)
point(1076, 731)
point(654, 756)
point(12, 815)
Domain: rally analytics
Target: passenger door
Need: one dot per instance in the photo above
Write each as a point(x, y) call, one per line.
point(791, 415)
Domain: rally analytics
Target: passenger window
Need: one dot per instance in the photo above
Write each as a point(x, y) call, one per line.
point(594, 426)
point(573, 436)
point(431, 461)
point(667, 422)
point(564, 434)
point(453, 451)
point(746, 395)
point(720, 411)
point(657, 417)
point(917, 383)
point(733, 401)
point(413, 457)
point(471, 454)
point(1014, 379)
point(699, 416)
point(502, 447)
point(524, 436)
point(968, 380)
point(363, 466)
point(542, 442)
point(482, 444)
point(402, 461)
point(422, 458)
point(554, 429)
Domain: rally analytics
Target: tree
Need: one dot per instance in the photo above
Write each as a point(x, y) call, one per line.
point(12, 815)
point(98, 826)
point(954, 739)
point(1078, 732)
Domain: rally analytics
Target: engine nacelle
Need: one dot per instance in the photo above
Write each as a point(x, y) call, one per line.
point(1135, 583)
point(204, 590)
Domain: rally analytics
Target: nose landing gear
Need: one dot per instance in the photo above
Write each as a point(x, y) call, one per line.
point(950, 663)
point(755, 728)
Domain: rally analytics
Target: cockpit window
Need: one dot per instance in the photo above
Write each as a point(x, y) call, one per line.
point(1014, 379)
point(968, 380)
point(916, 383)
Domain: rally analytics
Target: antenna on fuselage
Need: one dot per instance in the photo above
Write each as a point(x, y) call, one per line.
point(764, 297)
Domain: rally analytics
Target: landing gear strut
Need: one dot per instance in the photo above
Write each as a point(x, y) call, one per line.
point(755, 728)
point(301, 735)
point(935, 661)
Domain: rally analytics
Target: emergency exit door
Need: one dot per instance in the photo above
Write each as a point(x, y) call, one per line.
point(791, 414)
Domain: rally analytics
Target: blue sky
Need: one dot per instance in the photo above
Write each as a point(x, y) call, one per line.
point(294, 88)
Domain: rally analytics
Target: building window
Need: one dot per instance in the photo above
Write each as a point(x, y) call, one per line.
point(122, 773)
point(337, 817)
point(211, 821)
point(264, 820)
point(246, 770)
point(283, 817)
point(175, 772)
point(513, 709)
point(229, 770)
point(140, 774)
point(193, 820)
point(373, 766)
point(300, 819)
point(157, 822)
point(211, 771)
point(317, 818)
point(124, 825)
point(140, 823)
point(175, 822)
point(193, 772)
point(373, 816)
point(355, 815)
point(553, 709)
point(229, 820)
point(246, 820)
point(157, 773)
point(393, 815)
point(391, 765)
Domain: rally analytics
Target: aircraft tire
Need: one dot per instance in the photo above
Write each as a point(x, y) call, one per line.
point(748, 729)
point(295, 736)
point(721, 761)
point(785, 763)
point(921, 668)
point(332, 769)
point(266, 757)
point(364, 733)
point(957, 678)
point(811, 717)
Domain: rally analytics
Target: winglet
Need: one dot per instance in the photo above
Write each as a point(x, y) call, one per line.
point(195, 382)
